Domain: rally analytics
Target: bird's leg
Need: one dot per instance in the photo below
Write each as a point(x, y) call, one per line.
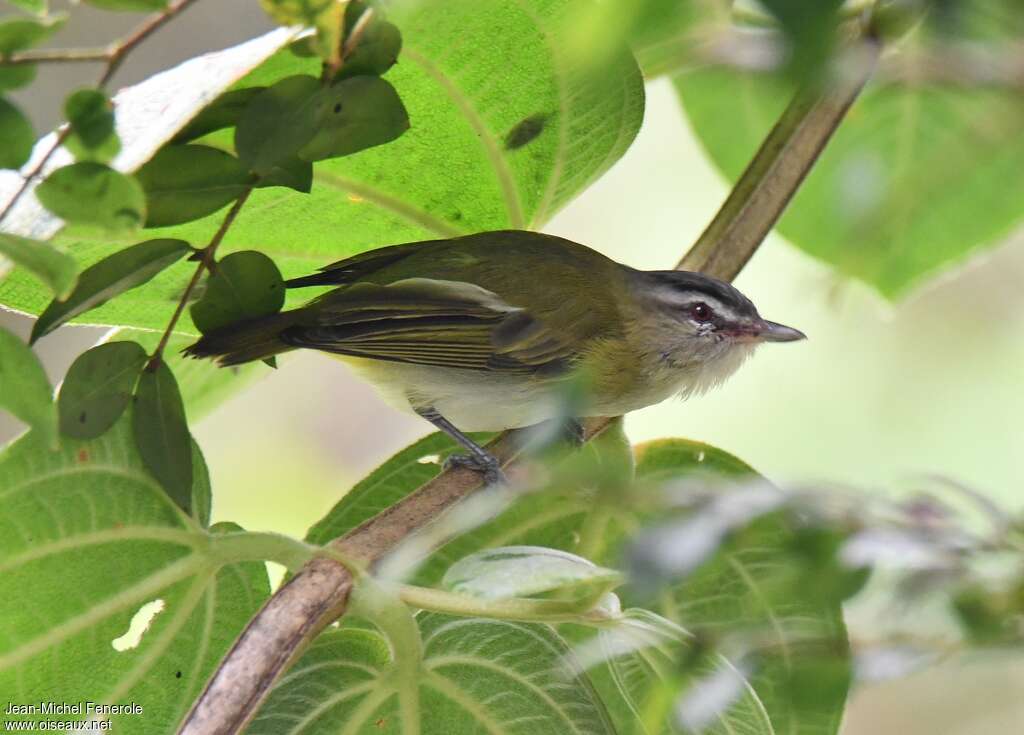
point(478, 458)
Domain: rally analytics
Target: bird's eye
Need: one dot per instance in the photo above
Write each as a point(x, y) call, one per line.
point(701, 312)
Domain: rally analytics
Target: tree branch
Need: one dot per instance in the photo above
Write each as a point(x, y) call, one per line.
point(318, 594)
point(114, 56)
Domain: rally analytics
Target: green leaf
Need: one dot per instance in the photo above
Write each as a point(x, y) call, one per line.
point(203, 384)
point(16, 136)
point(449, 174)
point(277, 123)
point(91, 193)
point(39, 7)
point(468, 683)
point(25, 390)
point(810, 31)
point(98, 388)
point(122, 271)
point(917, 179)
point(244, 285)
point(89, 541)
point(161, 433)
point(128, 5)
point(296, 12)
point(16, 76)
point(352, 115)
point(187, 182)
point(91, 116)
point(18, 32)
point(526, 571)
point(52, 266)
point(378, 47)
point(223, 112)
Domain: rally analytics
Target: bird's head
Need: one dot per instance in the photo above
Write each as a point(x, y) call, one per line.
point(699, 322)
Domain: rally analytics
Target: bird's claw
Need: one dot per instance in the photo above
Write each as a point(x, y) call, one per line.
point(486, 464)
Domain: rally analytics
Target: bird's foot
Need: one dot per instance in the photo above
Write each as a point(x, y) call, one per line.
point(574, 432)
point(486, 464)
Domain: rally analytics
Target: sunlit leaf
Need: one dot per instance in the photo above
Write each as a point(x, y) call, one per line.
point(277, 123)
point(526, 571)
point(468, 683)
point(16, 136)
point(223, 112)
point(88, 540)
point(112, 276)
point(161, 433)
point(187, 182)
point(98, 388)
point(24, 388)
point(244, 285)
point(43, 260)
point(90, 193)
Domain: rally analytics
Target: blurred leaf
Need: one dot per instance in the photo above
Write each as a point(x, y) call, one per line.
point(124, 270)
point(24, 388)
point(161, 433)
point(378, 47)
point(18, 32)
point(90, 193)
point(223, 112)
point(39, 7)
point(352, 115)
point(52, 266)
point(467, 683)
point(526, 571)
point(244, 286)
point(703, 702)
point(98, 388)
point(296, 12)
point(810, 30)
point(16, 136)
point(187, 182)
point(450, 174)
point(16, 76)
point(91, 116)
point(86, 540)
point(128, 5)
point(917, 178)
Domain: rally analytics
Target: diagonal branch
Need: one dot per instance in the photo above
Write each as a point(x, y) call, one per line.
point(318, 594)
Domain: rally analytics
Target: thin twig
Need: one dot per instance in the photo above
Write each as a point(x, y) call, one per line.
point(318, 594)
point(114, 56)
point(208, 254)
point(57, 56)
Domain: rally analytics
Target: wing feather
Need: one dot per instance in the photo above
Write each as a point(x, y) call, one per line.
point(430, 322)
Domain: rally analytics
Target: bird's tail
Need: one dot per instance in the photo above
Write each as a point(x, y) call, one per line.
point(256, 339)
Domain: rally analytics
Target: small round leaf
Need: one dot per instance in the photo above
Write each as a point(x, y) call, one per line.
point(90, 193)
point(19, 33)
point(91, 116)
point(16, 76)
point(244, 286)
point(98, 388)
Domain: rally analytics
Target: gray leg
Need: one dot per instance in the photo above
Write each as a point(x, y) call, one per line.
point(478, 458)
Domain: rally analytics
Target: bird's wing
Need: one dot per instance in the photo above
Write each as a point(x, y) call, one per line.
point(430, 322)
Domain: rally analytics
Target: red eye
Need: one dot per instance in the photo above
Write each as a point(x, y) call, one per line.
point(701, 312)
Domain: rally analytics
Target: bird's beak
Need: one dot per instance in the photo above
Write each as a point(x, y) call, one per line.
point(775, 332)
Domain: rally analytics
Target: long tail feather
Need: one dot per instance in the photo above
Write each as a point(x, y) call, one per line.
point(257, 339)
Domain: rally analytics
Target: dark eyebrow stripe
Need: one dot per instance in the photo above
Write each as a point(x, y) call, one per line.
point(687, 281)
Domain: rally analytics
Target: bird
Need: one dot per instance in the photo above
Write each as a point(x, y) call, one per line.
point(486, 332)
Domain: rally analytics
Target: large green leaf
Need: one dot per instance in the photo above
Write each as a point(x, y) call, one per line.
point(918, 177)
point(736, 590)
point(88, 540)
point(451, 173)
point(477, 676)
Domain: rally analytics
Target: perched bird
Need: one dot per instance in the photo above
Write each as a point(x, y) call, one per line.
point(483, 332)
